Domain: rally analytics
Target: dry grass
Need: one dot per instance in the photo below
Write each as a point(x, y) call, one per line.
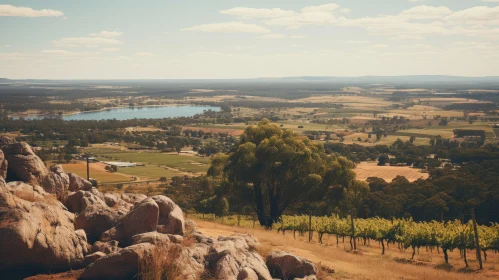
point(160, 265)
point(365, 170)
point(367, 263)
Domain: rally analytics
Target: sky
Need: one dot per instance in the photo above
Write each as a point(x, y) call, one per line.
point(222, 39)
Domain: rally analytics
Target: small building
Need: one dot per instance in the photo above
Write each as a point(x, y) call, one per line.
point(120, 164)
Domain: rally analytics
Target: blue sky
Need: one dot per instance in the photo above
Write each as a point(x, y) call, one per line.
point(132, 39)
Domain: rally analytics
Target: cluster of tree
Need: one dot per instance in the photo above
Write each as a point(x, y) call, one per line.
point(271, 171)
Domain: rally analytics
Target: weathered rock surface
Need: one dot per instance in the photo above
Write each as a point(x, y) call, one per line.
point(77, 183)
point(247, 274)
point(105, 247)
point(229, 255)
point(123, 264)
point(285, 265)
point(96, 219)
point(5, 140)
point(3, 165)
point(171, 216)
point(142, 218)
point(78, 201)
point(155, 238)
point(57, 182)
point(133, 198)
point(24, 164)
point(92, 258)
point(36, 232)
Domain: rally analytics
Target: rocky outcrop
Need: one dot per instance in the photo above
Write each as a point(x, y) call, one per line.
point(57, 182)
point(230, 255)
point(133, 198)
point(37, 231)
point(3, 165)
point(77, 183)
point(95, 220)
point(105, 247)
point(123, 264)
point(5, 140)
point(80, 200)
point(247, 274)
point(171, 217)
point(155, 238)
point(142, 218)
point(285, 265)
point(24, 164)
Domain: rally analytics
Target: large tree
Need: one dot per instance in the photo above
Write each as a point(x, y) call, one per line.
point(281, 169)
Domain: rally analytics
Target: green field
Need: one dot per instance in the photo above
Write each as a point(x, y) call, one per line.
point(181, 162)
point(151, 171)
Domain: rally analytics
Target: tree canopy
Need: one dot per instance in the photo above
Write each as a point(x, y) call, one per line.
point(281, 169)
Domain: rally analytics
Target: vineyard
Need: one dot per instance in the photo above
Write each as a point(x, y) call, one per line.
point(402, 233)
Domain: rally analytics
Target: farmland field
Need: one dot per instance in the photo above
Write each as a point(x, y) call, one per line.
point(182, 162)
point(151, 171)
point(97, 172)
point(365, 170)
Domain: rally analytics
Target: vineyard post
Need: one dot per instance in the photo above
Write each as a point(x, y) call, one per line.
point(238, 220)
point(353, 232)
point(477, 240)
point(310, 226)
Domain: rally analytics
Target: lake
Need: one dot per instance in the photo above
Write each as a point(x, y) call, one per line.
point(142, 112)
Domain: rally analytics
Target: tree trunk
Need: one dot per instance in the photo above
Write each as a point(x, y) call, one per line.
point(382, 247)
point(446, 256)
point(465, 260)
point(484, 255)
point(413, 252)
point(337, 241)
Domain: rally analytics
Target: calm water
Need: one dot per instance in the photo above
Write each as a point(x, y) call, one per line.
point(151, 112)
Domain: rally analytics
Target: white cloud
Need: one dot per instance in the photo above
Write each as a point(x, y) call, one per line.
point(14, 11)
point(491, 1)
point(273, 36)
point(426, 12)
point(416, 1)
point(7, 46)
point(321, 8)
point(110, 49)
point(248, 13)
point(144, 54)
point(85, 41)
point(379, 46)
point(58, 52)
point(297, 36)
point(229, 27)
point(480, 15)
point(106, 34)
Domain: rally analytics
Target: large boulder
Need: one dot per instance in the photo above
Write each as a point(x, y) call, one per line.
point(284, 265)
point(3, 166)
point(142, 218)
point(133, 198)
point(123, 264)
point(105, 247)
point(77, 183)
point(5, 140)
point(155, 238)
point(171, 217)
point(230, 255)
point(36, 232)
point(80, 200)
point(57, 182)
point(24, 164)
point(96, 219)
